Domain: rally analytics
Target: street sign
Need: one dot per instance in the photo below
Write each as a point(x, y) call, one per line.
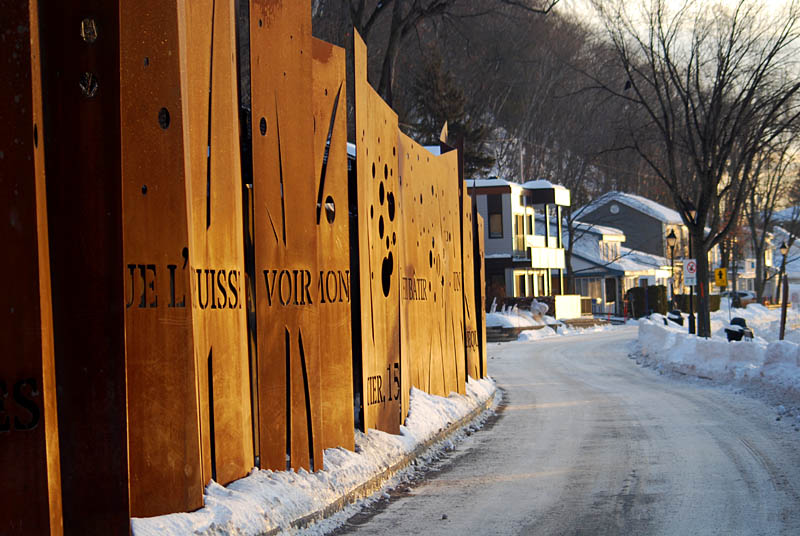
point(690, 272)
point(721, 277)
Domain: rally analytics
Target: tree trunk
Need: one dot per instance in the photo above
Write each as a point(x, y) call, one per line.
point(700, 250)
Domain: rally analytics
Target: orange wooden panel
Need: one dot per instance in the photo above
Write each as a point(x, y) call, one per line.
point(333, 228)
point(216, 247)
point(165, 462)
point(80, 94)
point(480, 287)
point(379, 280)
point(421, 341)
point(449, 271)
point(468, 262)
point(30, 486)
point(286, 236)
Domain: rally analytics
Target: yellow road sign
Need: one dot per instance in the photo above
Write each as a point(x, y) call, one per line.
point(721, 277)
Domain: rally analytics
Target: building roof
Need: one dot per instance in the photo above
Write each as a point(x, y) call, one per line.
point(598, 229)
point(636, 202)
point(629, 261)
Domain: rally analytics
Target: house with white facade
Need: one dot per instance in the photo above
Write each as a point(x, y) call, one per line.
point(523, 258)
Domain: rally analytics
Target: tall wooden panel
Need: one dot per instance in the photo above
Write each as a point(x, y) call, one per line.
point(421, 341)
point(285, 235)
point(473, 357)
point(80, 92)
point(216, 250)
point(30, 489)
point(480, 287)
point(164, 434)
point(450, 306)
point(376, 160)
point(333, 228)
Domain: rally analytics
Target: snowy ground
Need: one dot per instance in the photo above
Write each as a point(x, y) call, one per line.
point(269, 501)
point(764, 365)
point(519, 318)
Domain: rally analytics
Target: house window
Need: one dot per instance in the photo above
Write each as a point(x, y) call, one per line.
point(530, 224)
point(495, 208)
point(521, 285)
point(611, 289)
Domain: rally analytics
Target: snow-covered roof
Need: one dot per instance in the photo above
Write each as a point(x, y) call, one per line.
point(629, 260)
point(637, 202)
point(484, 183)
point(541, 184)
point(598, 229)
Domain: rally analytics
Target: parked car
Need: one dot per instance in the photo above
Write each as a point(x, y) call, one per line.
point(744, 297)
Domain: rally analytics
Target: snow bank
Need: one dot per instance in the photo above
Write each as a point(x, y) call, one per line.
point(765, 361)
point(265, 501)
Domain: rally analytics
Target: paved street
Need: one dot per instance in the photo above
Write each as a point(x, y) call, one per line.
point(587, 442)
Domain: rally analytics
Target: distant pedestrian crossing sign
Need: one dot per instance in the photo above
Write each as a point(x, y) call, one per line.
point(721, 277)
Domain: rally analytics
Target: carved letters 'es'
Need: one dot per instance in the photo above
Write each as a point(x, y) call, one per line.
point(379, 285)
point(30, 490)
point(164, 429)
point(216, 251)
point(286, 261)
point(470, 312)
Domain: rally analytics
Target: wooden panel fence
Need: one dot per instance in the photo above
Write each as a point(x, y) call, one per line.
point(128, 385)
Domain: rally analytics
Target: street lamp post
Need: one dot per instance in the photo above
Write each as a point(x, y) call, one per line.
point(692, 212)
point(671, 241)
point(785, 280)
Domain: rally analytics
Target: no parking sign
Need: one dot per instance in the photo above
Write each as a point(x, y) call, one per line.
point(690, 272)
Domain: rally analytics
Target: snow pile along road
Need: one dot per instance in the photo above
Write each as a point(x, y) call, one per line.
point(270, 501)
point(764, 362)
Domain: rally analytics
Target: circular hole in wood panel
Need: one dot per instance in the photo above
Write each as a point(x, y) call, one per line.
point(380, 227)
point(381, 193)
point(390, 201)
point(163, 118)
point(330, 209)
point(262, 126)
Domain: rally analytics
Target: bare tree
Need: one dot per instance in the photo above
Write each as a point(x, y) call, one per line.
point(770, 186)
point(711, 87)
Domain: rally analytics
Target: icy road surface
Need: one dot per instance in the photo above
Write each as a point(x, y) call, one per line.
point(587, 442)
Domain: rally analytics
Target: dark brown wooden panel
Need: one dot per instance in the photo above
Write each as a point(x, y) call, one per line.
point(287, 268)
point(216, 247)
point(164, 434)
point(480, 287)
point(80, 91)
point(333, 228)
point(376, 160)
point(468, 262)
point(30, 486)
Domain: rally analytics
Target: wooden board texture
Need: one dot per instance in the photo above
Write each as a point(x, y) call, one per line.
point(163, 414)
point(216, 246)
point(480, 288)
point(80, 93)
point(377, 190)
point(30, 489)
point(421, 342)
point(333, 232)
point(471, 345)
point(285, 235)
